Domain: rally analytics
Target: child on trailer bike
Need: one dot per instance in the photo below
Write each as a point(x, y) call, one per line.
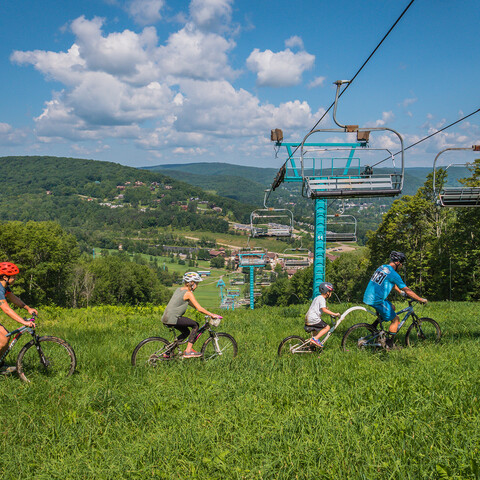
point(313, 318)
point(177, 306)
point(8, 273)
point(384, 279)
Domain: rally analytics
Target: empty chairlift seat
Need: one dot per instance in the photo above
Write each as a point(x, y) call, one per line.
point(271, 222)
point(353, 186)
point(341, 228)
point(460, 194)
point(252, 259)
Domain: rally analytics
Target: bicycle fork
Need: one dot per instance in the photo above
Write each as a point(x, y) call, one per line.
point(216, 345)
point(43, 359)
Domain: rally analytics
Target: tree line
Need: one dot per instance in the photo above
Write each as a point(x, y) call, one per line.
point(53, 270)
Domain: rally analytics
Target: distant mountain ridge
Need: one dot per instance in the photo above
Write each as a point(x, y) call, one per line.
point(220, 177)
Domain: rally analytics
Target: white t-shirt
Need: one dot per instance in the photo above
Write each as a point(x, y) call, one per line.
point(314, 314)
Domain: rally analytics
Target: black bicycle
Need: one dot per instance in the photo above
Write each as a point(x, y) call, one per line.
point(373, 336)
point(156, 350)
point(42, 356)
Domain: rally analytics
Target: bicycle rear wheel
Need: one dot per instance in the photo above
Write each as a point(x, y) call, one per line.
point(425, 331)
point(292, 345)
point(152, 352)
point(52, 358)
point(220, 345)
point(360, 336)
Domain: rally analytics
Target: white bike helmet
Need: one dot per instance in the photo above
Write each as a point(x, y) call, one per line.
point(192, 277)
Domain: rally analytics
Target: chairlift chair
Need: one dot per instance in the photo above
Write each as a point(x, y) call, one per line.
point(296, 258)
point(341, 228)
point(252, 258)
point(237, 280)
point(459, 195)
point(271, 222)
point(339, 172)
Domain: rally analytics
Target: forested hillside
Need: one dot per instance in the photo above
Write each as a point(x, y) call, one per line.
point(93, 198)
point(54, 211)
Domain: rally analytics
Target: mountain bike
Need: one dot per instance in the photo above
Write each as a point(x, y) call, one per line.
point(369, 336)
point(295, 344)
point(157, 350)
point(42, 356)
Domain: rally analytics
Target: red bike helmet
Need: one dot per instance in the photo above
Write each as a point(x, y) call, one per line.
point(8, 269)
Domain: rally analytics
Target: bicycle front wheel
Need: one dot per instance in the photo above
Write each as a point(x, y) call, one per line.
point(360, 336)
point(220, 345)
point(425, 331)
point(292, 345)
point(52, 358)
point(151, 352)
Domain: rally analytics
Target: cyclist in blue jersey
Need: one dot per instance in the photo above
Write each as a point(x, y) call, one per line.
point(8, 273)
point(384, 279)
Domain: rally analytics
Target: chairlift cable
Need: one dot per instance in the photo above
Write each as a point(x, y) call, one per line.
point(354, 77)
point(429, 136)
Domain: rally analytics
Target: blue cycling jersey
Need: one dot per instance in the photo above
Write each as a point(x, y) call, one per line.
point(4, 291)
point(381, 284)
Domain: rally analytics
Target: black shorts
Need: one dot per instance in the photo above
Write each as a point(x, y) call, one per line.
point(318, 326)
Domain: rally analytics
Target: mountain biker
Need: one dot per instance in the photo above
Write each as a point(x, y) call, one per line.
point(313, 318)
point(8, 273)
point(380, 285)
point(177, 306)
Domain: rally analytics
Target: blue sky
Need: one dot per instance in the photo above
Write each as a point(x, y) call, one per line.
point(146, 82)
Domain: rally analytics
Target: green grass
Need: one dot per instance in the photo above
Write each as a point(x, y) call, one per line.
point(408, 414)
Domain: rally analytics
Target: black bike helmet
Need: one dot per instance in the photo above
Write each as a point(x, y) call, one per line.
point(398, 257)
point(325, 287)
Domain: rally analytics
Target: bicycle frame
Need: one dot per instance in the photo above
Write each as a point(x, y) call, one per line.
point(205, 327)
point(18, 333)
point(380, 334)
point(340, 320)
point(409, 312)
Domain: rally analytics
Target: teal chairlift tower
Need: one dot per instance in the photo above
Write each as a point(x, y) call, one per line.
point(338, 170)
point(252, 259)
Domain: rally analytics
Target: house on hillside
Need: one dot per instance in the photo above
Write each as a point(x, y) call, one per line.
point(217, 253)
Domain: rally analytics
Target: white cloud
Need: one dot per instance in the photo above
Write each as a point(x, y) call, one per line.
point(10, 136)
point(317, 82)
point(294, 42)
point(211, 15)
point(282, 69)
point(387, 117)
point(195, 54)
point(116, 53)
point(177, 95)
point(408, 101)
point(145, 12)
point(62, 67)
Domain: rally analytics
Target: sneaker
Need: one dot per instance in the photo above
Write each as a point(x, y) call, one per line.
point(390, 345)
point(316, 342)
point(192, 354)
point(7, 369)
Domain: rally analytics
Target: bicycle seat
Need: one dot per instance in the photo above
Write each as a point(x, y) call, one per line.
point(309, 329)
